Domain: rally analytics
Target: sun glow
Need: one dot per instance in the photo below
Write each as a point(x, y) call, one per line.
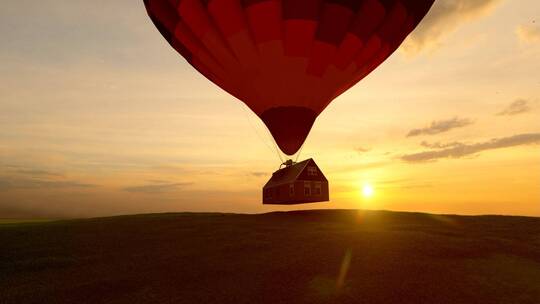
point(368, 191)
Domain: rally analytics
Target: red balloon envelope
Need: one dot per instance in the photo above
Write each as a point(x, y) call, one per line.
point(286, 59)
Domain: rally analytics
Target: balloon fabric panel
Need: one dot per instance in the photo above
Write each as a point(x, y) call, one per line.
point(286, 59)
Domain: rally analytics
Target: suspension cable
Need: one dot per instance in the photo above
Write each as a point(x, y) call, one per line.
point(299, 152)
point(261, 138)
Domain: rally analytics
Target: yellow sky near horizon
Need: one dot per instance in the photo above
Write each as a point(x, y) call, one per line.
point(99, 116)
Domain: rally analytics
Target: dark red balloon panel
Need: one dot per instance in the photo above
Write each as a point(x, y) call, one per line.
point(286, 59)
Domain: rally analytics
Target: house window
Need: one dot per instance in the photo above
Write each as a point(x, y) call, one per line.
point(291, 190)
point(307, 189)
point(317, 189)
point(312, 171)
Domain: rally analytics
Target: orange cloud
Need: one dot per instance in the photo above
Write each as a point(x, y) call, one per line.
point(528, 33)
point(519, 106)
point(446, 17)
point(462, 150)
point(441, 126)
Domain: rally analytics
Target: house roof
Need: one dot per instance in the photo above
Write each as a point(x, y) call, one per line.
point(288, 174)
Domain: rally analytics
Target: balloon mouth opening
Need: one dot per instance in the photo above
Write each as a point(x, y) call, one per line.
point(289, 126)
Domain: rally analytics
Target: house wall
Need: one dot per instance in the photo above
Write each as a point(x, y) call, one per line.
point(281, 194)
point(323, 196)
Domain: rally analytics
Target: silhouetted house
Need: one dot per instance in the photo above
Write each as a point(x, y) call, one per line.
point(296, 184)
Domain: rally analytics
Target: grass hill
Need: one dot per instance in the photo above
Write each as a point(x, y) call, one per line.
point(333, 256)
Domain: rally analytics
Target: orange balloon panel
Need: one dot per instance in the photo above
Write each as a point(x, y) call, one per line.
point(286, 59)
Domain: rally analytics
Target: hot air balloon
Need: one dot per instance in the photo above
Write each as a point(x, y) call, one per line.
point(286, 59)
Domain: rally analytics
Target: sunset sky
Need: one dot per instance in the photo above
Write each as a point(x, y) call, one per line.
point(100, 116)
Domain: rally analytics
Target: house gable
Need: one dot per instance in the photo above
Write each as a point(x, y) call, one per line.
point(311, 172)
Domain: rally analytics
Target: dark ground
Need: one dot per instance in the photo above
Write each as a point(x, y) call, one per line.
point(295, 257)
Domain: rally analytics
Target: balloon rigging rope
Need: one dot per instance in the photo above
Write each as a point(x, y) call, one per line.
point(299, 152)
point(259, 135)
point(269, 135)
point(276, 147)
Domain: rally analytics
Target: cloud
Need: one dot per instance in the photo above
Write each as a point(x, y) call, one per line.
point(259, 174)
point(25, 171)
point(517, 107)
point(9, 183)
point(362, 149)
point(462, 150)
point(438, 145)
point(36, 172)
point(441, 126)
point(17, 177)
point(158, 181)
point(445, 17)
point(156, 188)
point(528, 33)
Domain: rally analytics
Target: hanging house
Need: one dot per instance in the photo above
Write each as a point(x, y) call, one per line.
point(298, 183)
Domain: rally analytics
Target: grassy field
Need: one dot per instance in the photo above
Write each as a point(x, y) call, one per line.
point(293, 257)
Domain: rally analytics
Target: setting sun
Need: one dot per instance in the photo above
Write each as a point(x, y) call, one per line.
point(367, 190)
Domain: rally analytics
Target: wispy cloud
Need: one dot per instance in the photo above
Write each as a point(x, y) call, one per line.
point(441, 126)
point(156, 188)
point(528, 33)
point(445, 17)
point(12, 183)
point(519, 106)
point(19, 177)
point(362, 149)
point(462, 150)
point(438, 145)
point(259, 174)
point(28, 171)
point(37, 173)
